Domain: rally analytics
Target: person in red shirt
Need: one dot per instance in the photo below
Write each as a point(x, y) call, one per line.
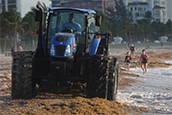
point(144, 61)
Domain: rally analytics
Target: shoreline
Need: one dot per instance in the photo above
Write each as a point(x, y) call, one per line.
point(156, 60)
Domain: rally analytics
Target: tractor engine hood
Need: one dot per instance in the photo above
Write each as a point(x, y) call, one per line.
point(63, 45)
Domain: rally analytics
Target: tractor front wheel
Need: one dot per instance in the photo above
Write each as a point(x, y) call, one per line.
point(96, 85)
point(103, 77)
point(22, 84)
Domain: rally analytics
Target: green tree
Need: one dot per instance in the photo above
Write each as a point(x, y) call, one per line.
point(5, 28)
point(125, 30)
point(121, 13)
point(29, 27)
point(159, 28)
point(116, 19)
point(145, 29)
point(169, 28)
point(12, 26)
point(148, 16)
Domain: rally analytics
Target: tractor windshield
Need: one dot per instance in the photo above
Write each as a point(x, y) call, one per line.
point(67, 21)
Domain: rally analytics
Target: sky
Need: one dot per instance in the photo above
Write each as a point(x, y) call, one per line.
point(27, 4)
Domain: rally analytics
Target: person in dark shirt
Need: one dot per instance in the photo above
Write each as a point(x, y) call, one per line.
point(12, 50)
point(127, 60)
point(144, 61)
point(132, 49)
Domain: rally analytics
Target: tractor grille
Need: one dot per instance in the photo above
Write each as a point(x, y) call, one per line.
point(60, 50)
point(62, 38)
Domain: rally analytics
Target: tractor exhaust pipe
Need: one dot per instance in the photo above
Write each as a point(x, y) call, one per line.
point(41, 23)
point(40, 17)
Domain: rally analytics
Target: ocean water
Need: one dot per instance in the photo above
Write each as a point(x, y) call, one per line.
point(153, 91)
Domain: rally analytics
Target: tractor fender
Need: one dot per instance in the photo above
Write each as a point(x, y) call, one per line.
point(94, 46)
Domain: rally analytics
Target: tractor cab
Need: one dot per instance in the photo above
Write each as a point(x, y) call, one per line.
point(69, 31)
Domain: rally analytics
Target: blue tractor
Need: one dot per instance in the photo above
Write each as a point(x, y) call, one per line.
point(69, 49)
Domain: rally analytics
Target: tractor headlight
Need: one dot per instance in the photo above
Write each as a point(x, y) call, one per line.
point(67, 50)
point(52, 51)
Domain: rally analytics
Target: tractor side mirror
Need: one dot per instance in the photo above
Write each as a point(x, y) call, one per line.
point(37, 15)
point(98, 20)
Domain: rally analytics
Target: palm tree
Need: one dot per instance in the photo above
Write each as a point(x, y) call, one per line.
point(30, 26)
point(17, 25)
point(169, 28)
point(12, 26)
point(145, 28)
point(125, 30)
point(148, 16)
point(4, 28)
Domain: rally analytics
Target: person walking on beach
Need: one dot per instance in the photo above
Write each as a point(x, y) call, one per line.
point(12, 50)
point(132, 49)
point(20, 48)
point(144, 61)
point(127, 60)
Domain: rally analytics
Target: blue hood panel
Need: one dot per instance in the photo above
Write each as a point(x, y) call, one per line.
point(60, 42)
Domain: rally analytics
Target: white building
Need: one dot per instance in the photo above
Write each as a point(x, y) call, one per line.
point(12, 4)
point(129, 1)
point(159, 11)
point(169, 9)
point(138, 10)
point(157, 7)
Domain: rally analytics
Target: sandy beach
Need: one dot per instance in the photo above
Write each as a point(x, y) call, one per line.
point(73, 101)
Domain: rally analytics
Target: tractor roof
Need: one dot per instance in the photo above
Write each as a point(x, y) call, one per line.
point(75, 9)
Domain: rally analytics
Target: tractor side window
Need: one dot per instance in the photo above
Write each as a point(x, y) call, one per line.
point(91, 30)
point(52, 27)
point(80, 37)
point(91, 25)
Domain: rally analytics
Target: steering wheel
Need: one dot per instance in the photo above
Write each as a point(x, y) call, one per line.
point(68, 29)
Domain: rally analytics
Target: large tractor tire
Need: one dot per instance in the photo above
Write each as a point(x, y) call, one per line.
point(96, 85)
point(22, 84)
point(113, 79)
point(102, 78)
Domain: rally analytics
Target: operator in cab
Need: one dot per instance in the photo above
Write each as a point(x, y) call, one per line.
point(71, 26)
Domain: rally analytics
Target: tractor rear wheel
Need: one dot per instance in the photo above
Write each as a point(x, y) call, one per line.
point(22, 84)
point(112, 79)
point(96, 85)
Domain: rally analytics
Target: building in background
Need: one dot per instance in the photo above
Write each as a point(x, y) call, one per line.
point(55, 3)
point(169, 9)
point(138, 10)
point(158, 8)
point(98, 5)
point(12, 4)
point(111, 4)
point(129, 1)
point(0, 6)
point(159, 11)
